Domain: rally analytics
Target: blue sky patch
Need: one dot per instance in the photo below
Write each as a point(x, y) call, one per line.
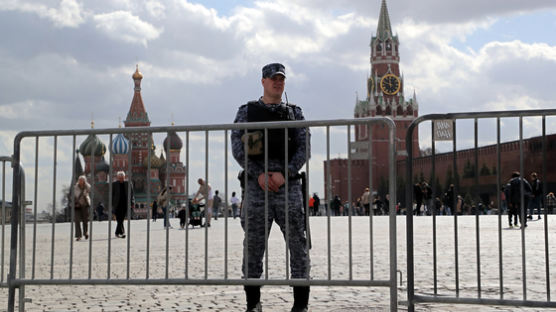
point(528, 28)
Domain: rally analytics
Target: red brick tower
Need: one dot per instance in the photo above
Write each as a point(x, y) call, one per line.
point(138, 117)
point(385, 98)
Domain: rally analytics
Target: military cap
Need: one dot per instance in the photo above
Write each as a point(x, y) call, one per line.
point(272, 69)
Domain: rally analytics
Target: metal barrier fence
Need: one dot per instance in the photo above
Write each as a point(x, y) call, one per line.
point(492, 263)
point(194, 270)
point(4, 218)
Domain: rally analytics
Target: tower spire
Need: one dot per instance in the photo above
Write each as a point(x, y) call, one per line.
point(137, 115)
point(384, 29)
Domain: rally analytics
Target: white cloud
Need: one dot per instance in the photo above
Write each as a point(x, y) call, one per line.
point(68, 14)
point(155, 8)
point(122, 25)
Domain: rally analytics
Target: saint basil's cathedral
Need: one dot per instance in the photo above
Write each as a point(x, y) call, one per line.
point(162, 169)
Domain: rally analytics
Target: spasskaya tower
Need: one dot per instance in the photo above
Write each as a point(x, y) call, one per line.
point(385, 97)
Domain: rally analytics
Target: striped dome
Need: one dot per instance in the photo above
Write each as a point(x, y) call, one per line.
point(120, 145)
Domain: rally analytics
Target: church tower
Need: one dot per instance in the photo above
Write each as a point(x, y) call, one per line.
point(139, 142)
point(385, 97)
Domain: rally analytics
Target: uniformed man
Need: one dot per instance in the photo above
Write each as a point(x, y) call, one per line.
point(270, 107)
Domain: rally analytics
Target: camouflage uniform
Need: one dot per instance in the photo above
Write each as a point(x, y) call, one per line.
point(254, 239)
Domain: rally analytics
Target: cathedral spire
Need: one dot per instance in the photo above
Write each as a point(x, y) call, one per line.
point(137, 115)
point(384, 29)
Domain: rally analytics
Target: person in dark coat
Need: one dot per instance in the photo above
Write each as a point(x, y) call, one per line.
point(100, 211)
point(121, 191)
point(154, 210)
point(514, 195)
point(316, 204)
point(418, 194)
point(536, 196)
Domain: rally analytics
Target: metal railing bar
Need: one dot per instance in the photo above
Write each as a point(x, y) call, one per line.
point(484, 301)
point(53, 209)
point(225, 204)
point(433, 198)
point(543, 200)
point(477, 227)
point(499, 205)
point(110, 191)
point(522, 211)
point(328, 204)
point(71, 204)
point(149, 208)
point(187, 207)
point(35, 197)
point(350, 252)
point(286, 202)
point(266, 205)
point(207, 208)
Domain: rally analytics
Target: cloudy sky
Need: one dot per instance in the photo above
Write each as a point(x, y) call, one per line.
point(65, 62)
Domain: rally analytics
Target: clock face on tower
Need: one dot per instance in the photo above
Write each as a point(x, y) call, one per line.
point(390, 84)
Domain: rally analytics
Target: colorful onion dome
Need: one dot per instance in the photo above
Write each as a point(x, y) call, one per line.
point(156, 162)
point(175, 141)
point(92, 146)
point(120, 145)
point(102, 166)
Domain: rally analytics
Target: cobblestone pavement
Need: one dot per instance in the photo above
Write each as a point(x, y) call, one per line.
point(222, 243)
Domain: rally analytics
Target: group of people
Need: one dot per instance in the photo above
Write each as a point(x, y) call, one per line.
point(530, 192)
point(364, 205)
point(122, 194)
point(516, 190)
point(211, 201)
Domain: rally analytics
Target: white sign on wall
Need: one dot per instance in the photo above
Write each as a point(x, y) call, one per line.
point(443, 130)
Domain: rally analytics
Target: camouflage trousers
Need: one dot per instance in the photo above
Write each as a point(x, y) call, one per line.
point(253, 209)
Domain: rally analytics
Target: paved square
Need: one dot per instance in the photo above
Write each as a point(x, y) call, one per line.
point(213, 242)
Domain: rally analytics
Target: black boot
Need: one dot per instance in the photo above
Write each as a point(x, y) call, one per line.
point(253, 296)
point(300, 298)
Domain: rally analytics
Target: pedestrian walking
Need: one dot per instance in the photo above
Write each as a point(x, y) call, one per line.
point(550, 202)
point(514, 196)
point(418, 194)
point(386, 206)
point(163, 199)
point(181, 216)
point(82, 204)
point(216, 202)
point(316, 204)
point(336, 205)
point(235, 204)
point(204, 192)
point(100, 211)
point(154, 210)
point(122, 198)
point(262, 184)
point(366, 200)
point(449, 200)
point(536, 196)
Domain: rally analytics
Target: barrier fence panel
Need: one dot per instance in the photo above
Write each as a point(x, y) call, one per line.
point(5, 213)
point(473, 189)
point(207, 256)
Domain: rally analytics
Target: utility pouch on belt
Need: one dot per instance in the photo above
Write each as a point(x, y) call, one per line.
point(255, 143)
